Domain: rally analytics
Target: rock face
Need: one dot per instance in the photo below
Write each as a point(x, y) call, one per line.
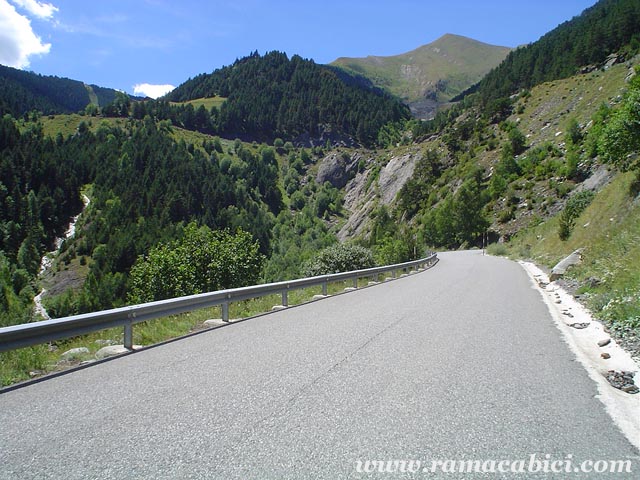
point(362, 194)
point(561, 267)
point(612, 60)
point(338, 169)
point(394, 175)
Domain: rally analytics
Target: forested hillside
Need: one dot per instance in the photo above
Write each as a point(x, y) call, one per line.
point(146, 181)
point(273, 96)
point(22, 92)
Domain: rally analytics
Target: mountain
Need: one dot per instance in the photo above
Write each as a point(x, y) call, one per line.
point(431, 74)
point(273, 96)
point(22, 92)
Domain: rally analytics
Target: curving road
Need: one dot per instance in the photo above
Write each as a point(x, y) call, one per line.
point(461, 362)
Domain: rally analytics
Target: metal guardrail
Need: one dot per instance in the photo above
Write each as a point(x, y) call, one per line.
point(27, 334)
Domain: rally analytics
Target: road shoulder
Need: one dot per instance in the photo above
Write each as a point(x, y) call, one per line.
point(584, 335)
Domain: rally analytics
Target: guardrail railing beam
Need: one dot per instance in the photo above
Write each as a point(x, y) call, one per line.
point(27, 334)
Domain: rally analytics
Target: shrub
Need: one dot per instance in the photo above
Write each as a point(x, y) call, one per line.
point(339, 258)
point(572, 210)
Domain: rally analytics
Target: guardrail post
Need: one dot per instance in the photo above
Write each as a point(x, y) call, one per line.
point(325, 288)
point(225, 311)
point(285, 298)
point(128, 336)
point(355, 282)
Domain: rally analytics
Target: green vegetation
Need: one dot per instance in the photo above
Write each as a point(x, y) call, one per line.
point(200, 261)
point(339, 258)
point(23, 92)
point(451, 64)
point(572, 210)
point(607, 27)
point(273, 96)
point(619, 140)
point(207, 103)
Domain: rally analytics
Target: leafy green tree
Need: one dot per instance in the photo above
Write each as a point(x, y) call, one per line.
point(517, 140)
point(459, 218)
point(573, 134)
point(619, 142)
point(201, 260)
point(394, 249)
point(119, 107)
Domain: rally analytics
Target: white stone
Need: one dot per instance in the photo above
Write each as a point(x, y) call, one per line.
point(74, 353)
point(113, 350)
point(214, 322)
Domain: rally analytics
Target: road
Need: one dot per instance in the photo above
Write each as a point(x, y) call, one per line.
point(460, 362)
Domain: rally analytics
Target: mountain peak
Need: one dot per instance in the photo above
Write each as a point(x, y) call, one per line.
point(432, 73)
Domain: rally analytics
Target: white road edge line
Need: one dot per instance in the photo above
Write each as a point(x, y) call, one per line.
point(622, 407)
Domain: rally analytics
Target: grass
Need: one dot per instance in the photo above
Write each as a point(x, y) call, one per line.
point(207, 102)
point(22, 364)
point(67, 124)
point(551, 105)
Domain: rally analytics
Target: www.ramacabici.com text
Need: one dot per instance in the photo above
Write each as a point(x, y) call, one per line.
point(531, 465)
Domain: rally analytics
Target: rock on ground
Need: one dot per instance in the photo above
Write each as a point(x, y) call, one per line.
point(561, 267)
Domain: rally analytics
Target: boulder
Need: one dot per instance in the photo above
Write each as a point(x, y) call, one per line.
point(75, 353)
point(112, 351)
point(561, 267)
point(612, 60)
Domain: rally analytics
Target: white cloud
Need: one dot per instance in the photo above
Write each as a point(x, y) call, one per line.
point(39, 9)
point(17, 39)
point(153, 91)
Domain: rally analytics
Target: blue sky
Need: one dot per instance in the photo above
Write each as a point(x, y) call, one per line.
point(124, 43)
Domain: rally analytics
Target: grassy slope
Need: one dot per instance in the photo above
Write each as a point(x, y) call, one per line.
point(68, 124)
point(543, 117)
point(551, 104)
point(207, 102)
point(459, 61)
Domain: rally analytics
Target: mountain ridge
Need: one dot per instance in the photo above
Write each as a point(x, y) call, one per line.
point(431, 74)
point(23, 91)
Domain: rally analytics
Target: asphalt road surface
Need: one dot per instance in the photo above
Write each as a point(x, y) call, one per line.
point(461, 362)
